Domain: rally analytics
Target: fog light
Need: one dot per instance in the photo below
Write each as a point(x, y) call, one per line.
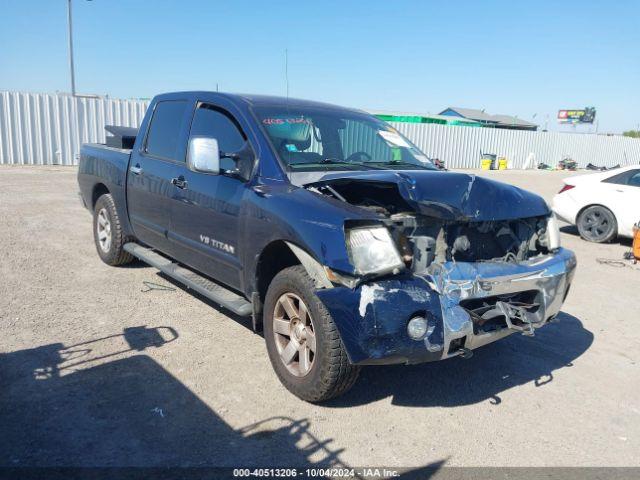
point(417, 328)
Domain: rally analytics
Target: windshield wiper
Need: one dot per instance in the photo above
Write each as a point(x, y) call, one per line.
point(393, 163)
point(331, 161)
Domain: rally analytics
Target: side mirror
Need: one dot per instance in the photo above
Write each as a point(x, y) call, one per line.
point(204, 155)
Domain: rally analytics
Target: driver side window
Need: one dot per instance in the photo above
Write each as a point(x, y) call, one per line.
point(208, 121)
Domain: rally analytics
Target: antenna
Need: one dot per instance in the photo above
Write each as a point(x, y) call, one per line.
point(286, 70)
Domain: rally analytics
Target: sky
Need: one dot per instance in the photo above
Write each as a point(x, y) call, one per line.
point(524, 58)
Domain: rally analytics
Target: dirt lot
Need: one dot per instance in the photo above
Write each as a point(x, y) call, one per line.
point(94, 370)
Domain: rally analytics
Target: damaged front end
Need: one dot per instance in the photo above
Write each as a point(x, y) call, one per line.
point(476, 261)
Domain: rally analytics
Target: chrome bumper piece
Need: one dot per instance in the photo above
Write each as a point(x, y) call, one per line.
point(549, 275)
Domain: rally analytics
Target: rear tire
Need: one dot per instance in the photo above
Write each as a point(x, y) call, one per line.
point(303, 343)
point(107, 232)
point(597, 224)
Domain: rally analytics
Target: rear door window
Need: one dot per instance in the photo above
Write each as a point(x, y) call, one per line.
point(634, 180)
point(624, 178)
point(164, 131)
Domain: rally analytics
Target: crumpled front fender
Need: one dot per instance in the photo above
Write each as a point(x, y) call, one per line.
point(372, 319)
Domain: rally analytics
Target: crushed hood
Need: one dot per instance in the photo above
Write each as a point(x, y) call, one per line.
point(450, 195)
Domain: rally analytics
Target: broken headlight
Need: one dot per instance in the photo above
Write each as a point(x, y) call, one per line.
point(553, 233)
point(372, 250)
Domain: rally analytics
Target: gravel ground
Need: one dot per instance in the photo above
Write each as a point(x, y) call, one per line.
point(96, 371)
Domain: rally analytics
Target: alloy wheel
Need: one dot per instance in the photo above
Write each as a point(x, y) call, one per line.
point(103, 228)
point(294, 334)
point(596, 224)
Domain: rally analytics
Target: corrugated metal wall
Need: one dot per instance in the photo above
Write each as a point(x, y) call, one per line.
point(460, 147)
point(49, 129)
point(45, 129)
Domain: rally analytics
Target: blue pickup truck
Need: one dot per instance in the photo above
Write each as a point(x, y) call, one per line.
point(334, 232)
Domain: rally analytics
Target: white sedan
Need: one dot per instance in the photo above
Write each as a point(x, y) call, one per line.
point(602, 205)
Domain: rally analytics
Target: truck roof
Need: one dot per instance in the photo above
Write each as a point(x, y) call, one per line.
point(260, 100)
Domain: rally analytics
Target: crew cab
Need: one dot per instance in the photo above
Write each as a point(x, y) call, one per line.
point(334, 232)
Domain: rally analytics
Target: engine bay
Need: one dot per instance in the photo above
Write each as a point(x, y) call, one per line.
point(435, 234)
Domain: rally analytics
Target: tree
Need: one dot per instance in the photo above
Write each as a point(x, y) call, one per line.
point(632, 133)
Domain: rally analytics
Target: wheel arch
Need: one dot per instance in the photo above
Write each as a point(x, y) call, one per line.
point(275, 257)
point(98, 190)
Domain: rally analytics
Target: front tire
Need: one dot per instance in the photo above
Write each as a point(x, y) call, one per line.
point(107, 233)
point(597, 224)
point(303, 343)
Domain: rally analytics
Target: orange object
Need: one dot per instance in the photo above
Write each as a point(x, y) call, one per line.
point(636, 241)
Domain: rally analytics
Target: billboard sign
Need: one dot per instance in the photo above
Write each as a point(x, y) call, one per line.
point(586, 115)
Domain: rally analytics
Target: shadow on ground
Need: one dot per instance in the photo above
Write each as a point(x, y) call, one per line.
point(59, 408)
point(84, 405)
point(513, 361)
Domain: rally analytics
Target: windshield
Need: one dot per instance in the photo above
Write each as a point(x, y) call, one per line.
point(308, 139)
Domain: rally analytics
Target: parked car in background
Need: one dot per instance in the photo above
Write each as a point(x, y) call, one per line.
point(602, 205)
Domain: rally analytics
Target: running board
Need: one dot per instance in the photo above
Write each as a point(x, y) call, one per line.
point(208, 288)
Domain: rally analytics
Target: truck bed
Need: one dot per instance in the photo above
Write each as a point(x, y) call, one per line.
point(102, 166)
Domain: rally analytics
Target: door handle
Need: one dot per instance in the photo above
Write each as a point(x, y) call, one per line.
point(179, 182)
point(136, 170)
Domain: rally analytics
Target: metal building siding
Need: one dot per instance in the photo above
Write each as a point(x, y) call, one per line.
point(37, 128)
point(460, 146)
point(48, 129)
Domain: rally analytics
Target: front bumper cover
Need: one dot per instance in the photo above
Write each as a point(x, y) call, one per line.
point(372, 318)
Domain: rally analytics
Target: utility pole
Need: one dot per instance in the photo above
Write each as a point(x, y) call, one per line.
point(71, 69)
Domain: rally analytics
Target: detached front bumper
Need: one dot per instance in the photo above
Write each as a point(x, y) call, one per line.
point(467, 305)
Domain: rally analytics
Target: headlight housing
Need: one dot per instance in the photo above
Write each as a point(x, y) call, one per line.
point(372, 250)
point(553, 232)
